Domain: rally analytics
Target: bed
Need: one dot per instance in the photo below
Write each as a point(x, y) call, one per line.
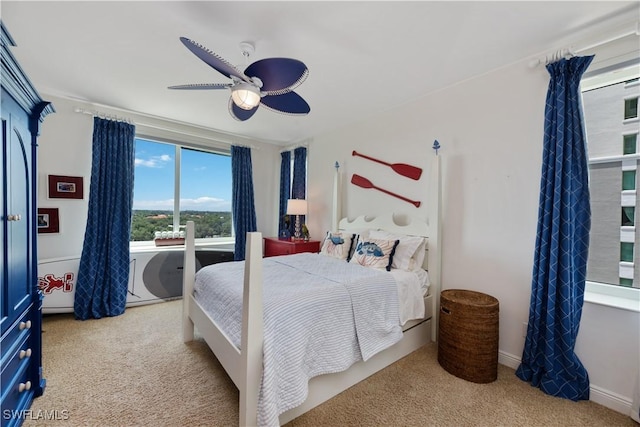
point(274, 356)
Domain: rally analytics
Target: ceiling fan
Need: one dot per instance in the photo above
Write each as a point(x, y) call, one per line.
point(268, 82)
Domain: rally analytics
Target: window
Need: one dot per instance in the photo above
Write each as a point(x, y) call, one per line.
point(626, 282)
point(629, 144)
point(631, 108)
point(626, 252)
point(174, 184)
point(628, 215)
point(629, 180)
point(612, 178)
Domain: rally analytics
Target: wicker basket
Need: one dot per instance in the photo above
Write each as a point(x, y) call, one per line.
point(468, 335)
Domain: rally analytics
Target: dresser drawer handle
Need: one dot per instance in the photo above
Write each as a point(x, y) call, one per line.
point(25, 325)
point(25, 353)
point(24, 386)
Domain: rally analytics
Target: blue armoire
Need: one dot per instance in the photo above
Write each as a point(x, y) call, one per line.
point(20, 300)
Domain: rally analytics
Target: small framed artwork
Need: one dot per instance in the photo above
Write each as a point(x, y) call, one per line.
point(48, 221)
point(65, 187)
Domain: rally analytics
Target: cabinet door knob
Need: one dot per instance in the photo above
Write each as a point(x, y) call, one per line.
point(24, 386)
point(14, 217)
point(25, 353)
point(25, 325)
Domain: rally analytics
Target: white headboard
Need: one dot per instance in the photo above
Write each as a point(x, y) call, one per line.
point(430, 227)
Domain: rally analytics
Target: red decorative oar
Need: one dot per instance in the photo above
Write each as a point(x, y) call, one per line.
point(363, 182)
point(399, 168)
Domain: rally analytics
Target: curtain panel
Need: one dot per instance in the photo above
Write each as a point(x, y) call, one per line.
point(103, 274)
point(285, 193)
point(562, 242)
point(299, 185)
point(242, 204)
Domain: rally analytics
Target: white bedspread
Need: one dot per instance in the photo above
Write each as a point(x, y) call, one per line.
point(321, 315)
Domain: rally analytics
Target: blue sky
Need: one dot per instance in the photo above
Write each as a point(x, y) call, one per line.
point(205, 183)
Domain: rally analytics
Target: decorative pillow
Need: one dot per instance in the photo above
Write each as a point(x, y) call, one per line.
point(409, 254)
point(374, 253)
point(358, 235)
point(337, 245)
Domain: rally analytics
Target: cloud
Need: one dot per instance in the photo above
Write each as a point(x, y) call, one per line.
point(154, 161)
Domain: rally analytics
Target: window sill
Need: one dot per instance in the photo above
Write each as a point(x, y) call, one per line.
point(614, 296)
point(221, 244)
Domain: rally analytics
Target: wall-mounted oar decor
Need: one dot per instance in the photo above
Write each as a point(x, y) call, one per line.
point(363, 182)
point(399, 168)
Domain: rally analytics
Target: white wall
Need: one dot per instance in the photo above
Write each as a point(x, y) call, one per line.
point(65, 149)
point(491, 132)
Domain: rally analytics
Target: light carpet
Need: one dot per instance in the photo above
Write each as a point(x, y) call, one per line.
point(134, 370)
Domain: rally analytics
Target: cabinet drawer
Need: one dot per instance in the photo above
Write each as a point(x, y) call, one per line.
point(14, 361)
point(16, 398)
point(15, 334)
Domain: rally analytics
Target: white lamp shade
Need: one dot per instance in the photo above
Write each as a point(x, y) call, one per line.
point(245, 96)
point(296, 207)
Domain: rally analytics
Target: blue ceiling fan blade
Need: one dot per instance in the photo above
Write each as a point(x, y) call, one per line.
point(278, 75)
point(287, 103)
point(213, 60)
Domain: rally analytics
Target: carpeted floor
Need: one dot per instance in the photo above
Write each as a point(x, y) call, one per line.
point(134, 370)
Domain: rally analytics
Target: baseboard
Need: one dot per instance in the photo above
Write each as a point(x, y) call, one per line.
point(597, 394)
point(509, 360)
point(610, 399)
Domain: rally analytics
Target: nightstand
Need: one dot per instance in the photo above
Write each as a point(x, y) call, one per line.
point(274, 246)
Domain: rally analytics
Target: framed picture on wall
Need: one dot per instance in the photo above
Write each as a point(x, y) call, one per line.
point(65, 187)
point(48, 220)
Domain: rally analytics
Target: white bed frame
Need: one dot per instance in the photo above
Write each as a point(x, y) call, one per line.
point(245, 367)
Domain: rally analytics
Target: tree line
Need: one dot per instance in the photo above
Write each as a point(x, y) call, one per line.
point(144, 223)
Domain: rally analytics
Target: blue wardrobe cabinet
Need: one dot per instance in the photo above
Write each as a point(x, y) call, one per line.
point(22, 113)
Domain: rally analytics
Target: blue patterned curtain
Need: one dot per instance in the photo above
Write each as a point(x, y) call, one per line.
point(285, 191)
point(103, 275)
point(562, 242)
point(242, 205)
point(299, 185)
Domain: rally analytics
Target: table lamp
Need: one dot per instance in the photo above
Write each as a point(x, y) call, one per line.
point(297, 207)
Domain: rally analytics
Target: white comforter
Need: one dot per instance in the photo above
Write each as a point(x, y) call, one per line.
point(321, 315)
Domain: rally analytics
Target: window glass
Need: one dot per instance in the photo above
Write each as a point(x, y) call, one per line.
point(628, 180)
point(153, 186)
point(200, 180)
point(628, 214)
point(205, 192)
point(631, 108)
point(612, 173)
point(626, 252)
point(626, 282)
point(629, 144)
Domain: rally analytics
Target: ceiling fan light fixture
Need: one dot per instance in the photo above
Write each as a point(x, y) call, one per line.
point(245, 96)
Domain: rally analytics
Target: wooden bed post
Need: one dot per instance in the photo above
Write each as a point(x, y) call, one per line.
point(435, 241)
point(188, 279)
point(252, 331)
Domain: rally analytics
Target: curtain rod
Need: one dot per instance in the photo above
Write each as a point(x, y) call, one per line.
point(102, 115)
point(162, 128)
point(570, 52)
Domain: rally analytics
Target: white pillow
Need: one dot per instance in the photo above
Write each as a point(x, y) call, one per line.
point(409, 254)
point(418, 258)
point(337, 245)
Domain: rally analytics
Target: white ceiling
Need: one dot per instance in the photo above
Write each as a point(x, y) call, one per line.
point(363, 57)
